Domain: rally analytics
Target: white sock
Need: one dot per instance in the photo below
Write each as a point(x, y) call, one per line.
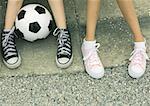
point(140, 45)
point(89, 44)
point(6, 30)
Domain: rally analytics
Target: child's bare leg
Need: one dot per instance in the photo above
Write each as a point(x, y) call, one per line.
point(10, 55)
point(93, 7)
point(129, 13)
point(137, 65)
point(13, 7)
point(58, 11)
point(92, 62)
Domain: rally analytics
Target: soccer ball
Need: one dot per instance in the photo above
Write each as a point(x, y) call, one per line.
point(33, 22)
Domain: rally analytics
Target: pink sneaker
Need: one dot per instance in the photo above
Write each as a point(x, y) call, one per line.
point(137, 65)
point(92, 62)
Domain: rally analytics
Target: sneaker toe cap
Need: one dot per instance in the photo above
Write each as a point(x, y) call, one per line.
point(136, 71)
point(96, 73)
point(63, 60)
point(12, 60)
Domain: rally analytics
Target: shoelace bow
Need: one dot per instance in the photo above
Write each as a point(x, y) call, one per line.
point(93, 55)
point(63, 36)
point(136, 54)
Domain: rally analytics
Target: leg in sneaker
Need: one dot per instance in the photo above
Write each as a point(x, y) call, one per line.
point(10, 56)
point(138, 59)
point(64, 51)
point(92, 62)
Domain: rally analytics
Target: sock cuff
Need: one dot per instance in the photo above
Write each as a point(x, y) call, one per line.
point(139, 45)
point(89, 42)
point(7, 30)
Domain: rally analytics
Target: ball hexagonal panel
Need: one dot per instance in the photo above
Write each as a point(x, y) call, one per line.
point(21, 14)
point(40, 10)
point(34, 27)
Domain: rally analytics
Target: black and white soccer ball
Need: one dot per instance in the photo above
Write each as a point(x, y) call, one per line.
point(33, 22)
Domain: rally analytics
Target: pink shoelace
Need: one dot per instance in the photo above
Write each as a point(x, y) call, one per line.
point(138, 55)
point(93, 59)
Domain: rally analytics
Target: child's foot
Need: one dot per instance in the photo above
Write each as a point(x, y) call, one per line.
point(10, 55)
point(64, 56)
point(92, 62)
point(138, 59)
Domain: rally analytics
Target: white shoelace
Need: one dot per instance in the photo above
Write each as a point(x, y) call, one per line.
point(62, 37)
point(8, 44)
point(7, 37)
point(93, 56)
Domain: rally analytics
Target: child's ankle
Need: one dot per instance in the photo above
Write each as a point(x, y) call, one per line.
point(90, 39)
point(139, 39)
point(8, 29)
point(62, 27)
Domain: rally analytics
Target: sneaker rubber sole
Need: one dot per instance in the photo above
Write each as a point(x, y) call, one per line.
point(64, 65)
point(15, 65)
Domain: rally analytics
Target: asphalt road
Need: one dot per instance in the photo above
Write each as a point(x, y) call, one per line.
point(115, 89)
